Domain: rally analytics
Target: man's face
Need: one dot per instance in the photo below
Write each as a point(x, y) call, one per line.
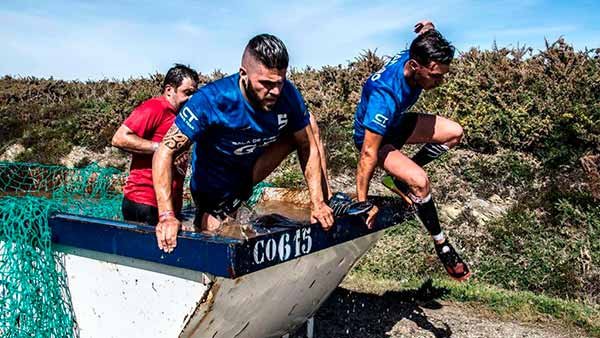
point(263, 85)
point(180, 94)
point(430, 76)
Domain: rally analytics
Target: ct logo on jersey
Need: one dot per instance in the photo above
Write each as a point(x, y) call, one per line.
point(380, 120)
point(188, 117)
point(282, 120)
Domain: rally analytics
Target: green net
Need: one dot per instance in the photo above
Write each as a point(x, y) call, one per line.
point(257, 192)
point(34, 297)
point(35, 301)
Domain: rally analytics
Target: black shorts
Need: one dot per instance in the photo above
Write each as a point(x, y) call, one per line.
point(399, 135)
point(137, 212)
point(219, 205)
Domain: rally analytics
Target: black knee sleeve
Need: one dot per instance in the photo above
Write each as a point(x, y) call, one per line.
point(428, 153)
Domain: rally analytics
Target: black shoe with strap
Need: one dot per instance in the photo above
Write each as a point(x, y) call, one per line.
point(455, 266)
point(343, 205)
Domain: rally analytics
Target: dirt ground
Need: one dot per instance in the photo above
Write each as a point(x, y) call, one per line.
point(352, 311)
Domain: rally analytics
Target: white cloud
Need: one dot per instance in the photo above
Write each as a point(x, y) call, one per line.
point(128, 39)
point(335, 32)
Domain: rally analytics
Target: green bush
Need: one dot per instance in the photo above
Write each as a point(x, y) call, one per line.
point(51, 116)
point(509, 170)
point(545, 103)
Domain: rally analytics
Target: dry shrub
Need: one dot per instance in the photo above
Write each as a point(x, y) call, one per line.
point(591, 165)
point(546, 103)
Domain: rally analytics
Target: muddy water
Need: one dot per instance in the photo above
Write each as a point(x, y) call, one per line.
point(296, 212)
point(242, 226)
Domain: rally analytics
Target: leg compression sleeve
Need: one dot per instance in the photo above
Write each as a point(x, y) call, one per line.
point(427, 213)
point(428, 153)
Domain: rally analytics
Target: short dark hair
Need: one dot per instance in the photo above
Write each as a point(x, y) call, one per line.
point(269, 50)
point(177, 74)
point(431, 46)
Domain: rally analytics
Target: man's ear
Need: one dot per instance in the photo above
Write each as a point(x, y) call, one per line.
point(243, 74)
point(413, 64)
point(169, 90)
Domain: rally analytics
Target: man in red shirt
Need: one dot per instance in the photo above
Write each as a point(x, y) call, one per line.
point(141, 133)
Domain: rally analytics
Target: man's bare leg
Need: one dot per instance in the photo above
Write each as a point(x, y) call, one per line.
point(439, 135)
point(209, 222)
point(403, 168)
point(434, 131)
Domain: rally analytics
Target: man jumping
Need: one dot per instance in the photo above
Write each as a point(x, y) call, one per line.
point(243, 126)
point(382, 125)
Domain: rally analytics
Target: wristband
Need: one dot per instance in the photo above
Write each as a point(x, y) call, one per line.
point(155, 146)
point(166, 214)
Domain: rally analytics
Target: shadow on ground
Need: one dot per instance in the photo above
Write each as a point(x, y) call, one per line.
point(355, 314)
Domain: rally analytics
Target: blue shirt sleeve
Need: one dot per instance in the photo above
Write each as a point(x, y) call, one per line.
point(194, 117)
point(298, 116)
point(380, 108)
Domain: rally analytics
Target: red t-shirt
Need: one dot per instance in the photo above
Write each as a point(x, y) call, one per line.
point(151, 120)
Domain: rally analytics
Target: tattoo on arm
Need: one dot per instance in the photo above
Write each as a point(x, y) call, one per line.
point(176, 140)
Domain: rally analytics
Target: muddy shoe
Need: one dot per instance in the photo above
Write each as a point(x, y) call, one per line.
point(398, 187)
point(454, 265)
point(343, 205)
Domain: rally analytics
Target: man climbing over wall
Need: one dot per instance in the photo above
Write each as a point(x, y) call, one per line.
point(382, 125)
point(243, 126)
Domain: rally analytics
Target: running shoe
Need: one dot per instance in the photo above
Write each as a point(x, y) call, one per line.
point(454, 265)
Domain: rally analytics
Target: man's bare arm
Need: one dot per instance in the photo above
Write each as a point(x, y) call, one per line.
point(310, 161)
point(127, 140)
point(168, 225)
point(369, 156)
point(323, 156)
point(367, 163)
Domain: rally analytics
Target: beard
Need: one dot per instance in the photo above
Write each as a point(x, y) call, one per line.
point(255, 101)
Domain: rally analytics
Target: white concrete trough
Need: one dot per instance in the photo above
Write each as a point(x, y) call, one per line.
point(261, 281)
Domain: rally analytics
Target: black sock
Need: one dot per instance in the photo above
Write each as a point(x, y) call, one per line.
point(427, 213)
point(428, 153)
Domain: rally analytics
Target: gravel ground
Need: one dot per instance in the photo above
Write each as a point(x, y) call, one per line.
point(356, 311)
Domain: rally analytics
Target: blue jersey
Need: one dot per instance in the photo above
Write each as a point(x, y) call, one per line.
point(229, 134)
point(385, 97)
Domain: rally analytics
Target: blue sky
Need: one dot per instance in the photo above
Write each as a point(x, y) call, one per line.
point(85, 39)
